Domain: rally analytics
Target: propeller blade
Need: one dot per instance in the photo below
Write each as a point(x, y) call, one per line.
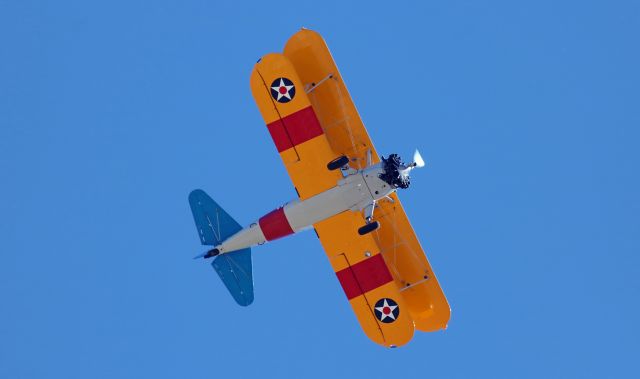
point(417, 159)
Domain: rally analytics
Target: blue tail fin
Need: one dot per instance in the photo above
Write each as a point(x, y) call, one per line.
point(214, 226)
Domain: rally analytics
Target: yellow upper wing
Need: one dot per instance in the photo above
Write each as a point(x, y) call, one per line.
point(345, 131)
point(347, 135)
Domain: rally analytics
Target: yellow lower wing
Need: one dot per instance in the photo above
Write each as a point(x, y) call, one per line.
point(366, 280)
point(293, 125)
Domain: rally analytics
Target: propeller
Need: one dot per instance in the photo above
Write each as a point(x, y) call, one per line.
point(417, 159)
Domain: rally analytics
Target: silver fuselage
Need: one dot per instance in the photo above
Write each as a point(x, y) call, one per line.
point(352, 193)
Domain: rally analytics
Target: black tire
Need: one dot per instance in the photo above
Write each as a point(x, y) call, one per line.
point(369, 228)
point(338, 163)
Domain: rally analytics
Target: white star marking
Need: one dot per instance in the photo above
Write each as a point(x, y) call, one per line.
point(385, 315)
point(280, 94)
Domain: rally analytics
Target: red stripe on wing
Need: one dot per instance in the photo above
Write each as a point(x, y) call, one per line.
point(349, 283)
point(364, 276)
point(279, 135)
point(295, 129)
point(275, 225)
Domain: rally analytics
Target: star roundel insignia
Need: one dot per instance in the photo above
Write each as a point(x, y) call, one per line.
point(283, 90)
point(386, 310)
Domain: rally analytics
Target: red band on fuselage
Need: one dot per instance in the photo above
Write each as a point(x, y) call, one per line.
point(295, 129)
point(275, 225)
point(364, 276)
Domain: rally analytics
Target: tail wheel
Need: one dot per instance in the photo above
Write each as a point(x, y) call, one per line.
point(370, 227)
point(338, 163)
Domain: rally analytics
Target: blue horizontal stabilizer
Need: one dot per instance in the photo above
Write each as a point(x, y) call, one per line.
point(213, 223)
point(214, 226)
point(235, 270)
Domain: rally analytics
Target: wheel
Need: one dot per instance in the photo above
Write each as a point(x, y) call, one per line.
point(338, 163)
point(368, 228)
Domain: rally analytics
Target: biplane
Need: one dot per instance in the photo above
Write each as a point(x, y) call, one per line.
point(346, 192)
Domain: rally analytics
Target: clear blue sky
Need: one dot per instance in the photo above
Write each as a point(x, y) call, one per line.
point(526, 112)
